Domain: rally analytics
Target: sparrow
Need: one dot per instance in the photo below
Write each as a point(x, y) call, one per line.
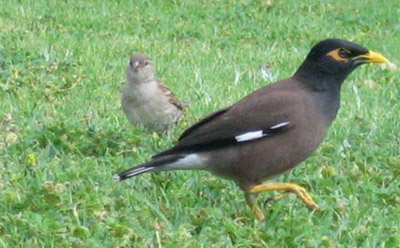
point(146, 100)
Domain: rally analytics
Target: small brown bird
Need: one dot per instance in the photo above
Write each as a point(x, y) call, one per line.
point(271, 130)
point(147, 101)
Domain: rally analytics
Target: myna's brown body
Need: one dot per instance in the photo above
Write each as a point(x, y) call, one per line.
point(271, 130)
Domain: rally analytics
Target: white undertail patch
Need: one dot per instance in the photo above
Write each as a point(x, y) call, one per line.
point(191, 161)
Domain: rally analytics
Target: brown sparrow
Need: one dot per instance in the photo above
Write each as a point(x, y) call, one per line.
point(146, 100)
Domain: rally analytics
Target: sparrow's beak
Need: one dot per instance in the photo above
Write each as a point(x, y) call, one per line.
point(134, 64)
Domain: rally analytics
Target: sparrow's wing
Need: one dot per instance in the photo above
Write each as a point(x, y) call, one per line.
point(257, 116)
point(172, 99)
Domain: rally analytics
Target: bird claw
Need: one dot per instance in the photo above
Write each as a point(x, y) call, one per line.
point(276, 198)
point(305, 197)
point(258, 213)
point(287, 187)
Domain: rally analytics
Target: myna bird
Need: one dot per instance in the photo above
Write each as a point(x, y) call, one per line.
point(146, 100)
point(271, 130)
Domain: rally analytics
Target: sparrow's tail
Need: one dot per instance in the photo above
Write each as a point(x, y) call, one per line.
point(157, 164)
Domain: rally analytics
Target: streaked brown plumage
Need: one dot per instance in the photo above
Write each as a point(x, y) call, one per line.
point(146, 100)
point(271, 130)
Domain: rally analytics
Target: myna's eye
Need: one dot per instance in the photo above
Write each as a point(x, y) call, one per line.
point(343, 53)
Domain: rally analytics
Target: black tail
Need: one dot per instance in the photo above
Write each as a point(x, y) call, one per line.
point(152, 165)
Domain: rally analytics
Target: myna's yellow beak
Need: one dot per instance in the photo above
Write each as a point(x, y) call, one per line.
point(372, 57)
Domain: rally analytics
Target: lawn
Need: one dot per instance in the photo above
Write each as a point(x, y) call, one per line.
point(63, 135)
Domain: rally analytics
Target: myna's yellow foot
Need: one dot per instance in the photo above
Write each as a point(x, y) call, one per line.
point(256, 211)
point(291, 187)
point(276, 198)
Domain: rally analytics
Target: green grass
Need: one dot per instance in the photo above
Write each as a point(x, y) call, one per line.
point(63, 135)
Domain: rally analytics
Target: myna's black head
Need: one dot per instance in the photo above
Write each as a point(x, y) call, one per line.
point(332, 60)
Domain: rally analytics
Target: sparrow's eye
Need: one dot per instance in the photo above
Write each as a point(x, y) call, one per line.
point(146, 63)
point(343, 53)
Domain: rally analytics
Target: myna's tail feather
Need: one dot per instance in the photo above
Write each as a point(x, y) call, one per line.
point(153, 165)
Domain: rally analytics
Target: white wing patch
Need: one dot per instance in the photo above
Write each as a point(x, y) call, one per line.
point(282, 124)
point(250, 136)
point(259, 133)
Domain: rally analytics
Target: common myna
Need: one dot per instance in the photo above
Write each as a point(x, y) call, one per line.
point(146, 100)
point(271, 130)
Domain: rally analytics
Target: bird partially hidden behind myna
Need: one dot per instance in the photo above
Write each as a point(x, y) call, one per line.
point(271, 130)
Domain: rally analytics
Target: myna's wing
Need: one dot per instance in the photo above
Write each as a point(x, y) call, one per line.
point(256, 116)
point(249, 116)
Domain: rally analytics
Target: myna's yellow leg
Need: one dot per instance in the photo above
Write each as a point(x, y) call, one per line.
point(291, 187)
point(250, 200)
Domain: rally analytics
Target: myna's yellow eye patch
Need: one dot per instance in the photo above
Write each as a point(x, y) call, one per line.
point(340, 54)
